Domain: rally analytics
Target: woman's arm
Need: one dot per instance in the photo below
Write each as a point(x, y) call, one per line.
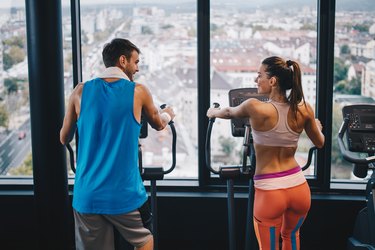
point(245, 109)
point(313, 128)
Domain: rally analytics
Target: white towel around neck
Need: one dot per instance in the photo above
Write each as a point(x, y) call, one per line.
point(113, 72)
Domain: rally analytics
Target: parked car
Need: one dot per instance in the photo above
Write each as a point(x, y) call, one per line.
point(21, 135)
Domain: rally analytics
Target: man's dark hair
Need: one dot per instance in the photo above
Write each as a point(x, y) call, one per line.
point(116, 48)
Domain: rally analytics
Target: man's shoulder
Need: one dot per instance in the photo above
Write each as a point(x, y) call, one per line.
point(140, 86)
point(79, 86)
point(77, 91)
point(141, 91)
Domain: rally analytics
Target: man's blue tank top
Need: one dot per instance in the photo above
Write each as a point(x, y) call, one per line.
point(107, 175)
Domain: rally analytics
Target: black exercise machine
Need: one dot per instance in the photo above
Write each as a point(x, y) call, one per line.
point(240, 128)
point(151, 174)
point(359, 127)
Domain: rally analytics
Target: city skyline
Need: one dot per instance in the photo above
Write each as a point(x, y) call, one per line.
point(165, 35)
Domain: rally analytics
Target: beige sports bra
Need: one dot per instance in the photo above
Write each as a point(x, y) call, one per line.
point(281, 135)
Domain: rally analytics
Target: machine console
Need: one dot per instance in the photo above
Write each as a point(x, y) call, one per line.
point(361, 127)
point(236, 97)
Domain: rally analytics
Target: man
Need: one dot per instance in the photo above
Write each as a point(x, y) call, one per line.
point(108, 189)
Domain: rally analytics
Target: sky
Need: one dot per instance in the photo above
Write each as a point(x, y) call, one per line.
point(19, 3)
point(345, 4)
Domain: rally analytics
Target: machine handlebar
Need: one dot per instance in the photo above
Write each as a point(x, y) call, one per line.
point(208, 141)
point(71, 157)
point(174, 141)
point(309, 158)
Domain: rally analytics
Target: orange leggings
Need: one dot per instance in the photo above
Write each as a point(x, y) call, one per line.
point(280, 210)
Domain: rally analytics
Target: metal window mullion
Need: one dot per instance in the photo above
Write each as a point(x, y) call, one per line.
point(76, 46)
point(203, 88)
point(76, 41)
point(325, 66)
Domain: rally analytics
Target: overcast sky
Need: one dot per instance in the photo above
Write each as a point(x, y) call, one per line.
point(18, 3)
point(342, 4)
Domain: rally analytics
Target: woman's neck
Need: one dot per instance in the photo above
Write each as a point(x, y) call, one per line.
point(276, 97)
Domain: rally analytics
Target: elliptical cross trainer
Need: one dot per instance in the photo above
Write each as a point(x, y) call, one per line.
point(359, 127)
point(153, 174)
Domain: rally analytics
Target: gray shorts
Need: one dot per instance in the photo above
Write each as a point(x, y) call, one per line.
point(95, 231)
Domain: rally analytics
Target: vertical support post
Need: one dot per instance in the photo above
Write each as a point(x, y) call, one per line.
point(231, 215)
point(325, 67)
point(203, 71)
point(370, 188)
point(46, 83)
point(154, 213)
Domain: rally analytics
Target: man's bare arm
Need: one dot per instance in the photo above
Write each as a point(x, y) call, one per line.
point(157, 120)
point(69, 125)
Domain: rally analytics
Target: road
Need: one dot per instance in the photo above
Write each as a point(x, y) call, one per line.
point(13, 150)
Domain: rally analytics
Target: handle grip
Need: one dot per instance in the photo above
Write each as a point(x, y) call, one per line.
point(208, 141)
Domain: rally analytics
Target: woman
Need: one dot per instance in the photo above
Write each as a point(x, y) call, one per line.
point(282, 195)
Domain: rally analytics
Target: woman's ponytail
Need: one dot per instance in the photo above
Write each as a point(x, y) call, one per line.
point(288, 74)
point(296, 91)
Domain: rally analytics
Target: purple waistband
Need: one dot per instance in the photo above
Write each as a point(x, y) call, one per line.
point(277, 174)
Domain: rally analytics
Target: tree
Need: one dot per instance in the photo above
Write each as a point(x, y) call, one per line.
point(26, 167)
point(345, 50)
point(18, 41)
point(308, 26)
point(167, 26)
point(352, 87)
point(213, 27)
point(11, 85)
point(340, 70)
point(13, 56)
point(258, 28)
point(227, 145)
point(361, 28)
point(7, 61)
point(4, 117)
point(146, 30)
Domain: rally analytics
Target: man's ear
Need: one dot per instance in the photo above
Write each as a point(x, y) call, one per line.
point(122, 61)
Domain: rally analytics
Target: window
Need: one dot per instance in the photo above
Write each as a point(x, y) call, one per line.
point(354, 70)
point(240, 35)
point(249, 32)
point(167, 37)
point(15, 139)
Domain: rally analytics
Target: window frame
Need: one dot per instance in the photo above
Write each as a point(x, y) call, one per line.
point(321, 182)
point(324, 88)
point(325, 61)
